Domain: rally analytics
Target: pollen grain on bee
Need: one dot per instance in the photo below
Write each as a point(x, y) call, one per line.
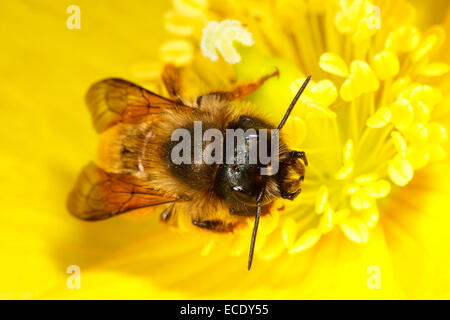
point(234, 146)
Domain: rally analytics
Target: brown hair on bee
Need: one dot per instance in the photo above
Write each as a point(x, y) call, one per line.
point(136, 169)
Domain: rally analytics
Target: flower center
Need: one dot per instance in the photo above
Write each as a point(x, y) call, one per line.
point(366, 121)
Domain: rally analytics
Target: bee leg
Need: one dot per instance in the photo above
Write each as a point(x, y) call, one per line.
point(214, 225)
point(299, 155)
point(168, 214)
point(290, 196)
point(240, 90)
point(172, 81)
point(296, 165)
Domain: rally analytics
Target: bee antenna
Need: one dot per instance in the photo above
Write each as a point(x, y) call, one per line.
point(255, 228)
point(291, 106)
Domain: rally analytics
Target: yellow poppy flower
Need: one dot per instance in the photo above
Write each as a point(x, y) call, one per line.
point(372, 219)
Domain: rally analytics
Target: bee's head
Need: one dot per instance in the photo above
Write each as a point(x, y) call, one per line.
point(249, 157)
point(242, 180)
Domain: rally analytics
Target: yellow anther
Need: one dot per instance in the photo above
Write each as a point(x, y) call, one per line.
point(369, 24)
point(359, 18)
point(268, 222)
point(344, 171)
point(297, 126)
point(400, 84)
point(352, 189)
point(380, 118)
point(433, 69)
point(364, 73)
point(179, 52)
point(400, 171)
point(334, 64)
point(361, 80)
point(239, 245)
point(273, 246)
point(428, 95)
point(348, 151)
point(399, 143)
point(350, 89)
point(386, 65)
point(321, 199)
point(371, 216)
point(220, 37)
point(361, 200)
point(418, 156)
point(417, 133)
point(365, 178)
point(421, 112)
point(355, 229)
point(289, 232)
point(326, 221)
point(342, 214)
point(437, 153)
point(403, 39)
point(191, 8)
point(378, 189)
point(306, 241)
point(178, 23)
point(323, 93)
point(317, 96)
point(260, 243)
point(401, 114)
point(432, 39)
point(347, 159)
point(437, 133)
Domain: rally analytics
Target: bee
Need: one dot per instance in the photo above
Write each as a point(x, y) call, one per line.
point(135, 170)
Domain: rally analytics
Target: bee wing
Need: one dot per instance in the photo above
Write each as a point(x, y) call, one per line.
point(99, 195)
point(115, 100)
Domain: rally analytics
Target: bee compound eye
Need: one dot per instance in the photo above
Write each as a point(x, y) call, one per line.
point(242, 195)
